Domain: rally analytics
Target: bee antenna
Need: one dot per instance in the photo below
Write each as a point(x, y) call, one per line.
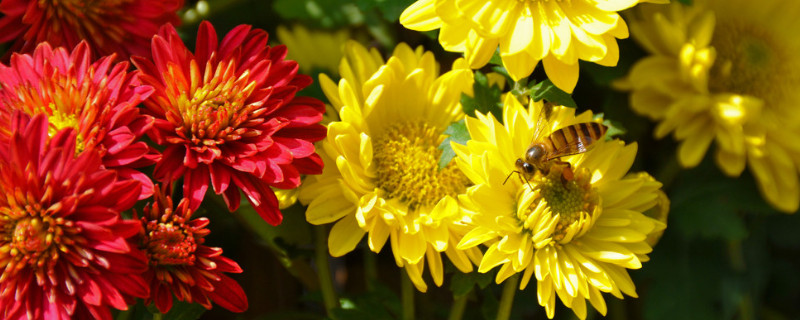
point(509, 176)
point(519, 174)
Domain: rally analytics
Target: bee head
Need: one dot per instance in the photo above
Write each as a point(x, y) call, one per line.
point(525, 168)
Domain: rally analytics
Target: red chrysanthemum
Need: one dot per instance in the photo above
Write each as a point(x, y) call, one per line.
point(179, 262)
point(123, 27)
point(64, 249)
point(228, 115)
point(98, 99)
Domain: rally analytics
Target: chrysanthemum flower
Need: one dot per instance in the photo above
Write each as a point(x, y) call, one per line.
point(181, 264)
point(725, 72)
point(64, 250)
point(577, 237)
point(98, 99)
point(558, 33)
point(228, 115)
point(313, 48)
point(381, 176)
point(123, 27)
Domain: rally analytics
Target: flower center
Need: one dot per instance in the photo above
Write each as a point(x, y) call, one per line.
point(750, 61)
point(575, 202)
point(61, 120)
point(28, 240)
point(91, 14)
point(170, 244)
point(31, 236)
point(218, 111)
point(407, 161)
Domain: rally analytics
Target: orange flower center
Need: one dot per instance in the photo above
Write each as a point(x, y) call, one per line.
point(170, 244)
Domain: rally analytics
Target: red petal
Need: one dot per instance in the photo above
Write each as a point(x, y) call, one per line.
point(195, 185)
point(170, 168)
point(163, 298)
point(229, 295)
point(220, 178)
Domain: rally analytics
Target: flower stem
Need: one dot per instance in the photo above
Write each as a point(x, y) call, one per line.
point(459, 304)
point(370, 268)
point(158, 316)
point(407, 296)
point(507, 299)
point(324, 270)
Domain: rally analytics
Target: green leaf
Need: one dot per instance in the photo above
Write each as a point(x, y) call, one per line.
point(548, 91)
point(615, 128)
point(496, 59)
point(456, 131)
point(486, 98)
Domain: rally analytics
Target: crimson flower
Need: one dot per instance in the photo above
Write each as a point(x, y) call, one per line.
point(98, 99)
point(123, 27)
point(228, 115)
point(64, 249)
point(179, 262)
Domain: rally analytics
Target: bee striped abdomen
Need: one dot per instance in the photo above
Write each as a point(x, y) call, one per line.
point(576, 138)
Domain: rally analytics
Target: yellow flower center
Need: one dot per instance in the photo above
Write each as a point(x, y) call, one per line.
point(575, 202)
point(751, 61)
point(61, 120)
point(406, 157)
point(30, 236)
point(218, 110)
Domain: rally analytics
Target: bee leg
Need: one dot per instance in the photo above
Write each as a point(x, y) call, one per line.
point(566, 174)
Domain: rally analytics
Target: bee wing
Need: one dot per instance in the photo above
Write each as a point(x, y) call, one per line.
point(543, 120)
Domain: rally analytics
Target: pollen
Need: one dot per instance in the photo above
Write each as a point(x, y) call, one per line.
point(407, 161)
point(575, 202)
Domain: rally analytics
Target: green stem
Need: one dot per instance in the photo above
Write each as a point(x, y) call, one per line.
point(324, 270)
point(370, 268)
point(737, 262)
point(407, 296)
point(459, 304)
point(158, 316)
point(507, 299)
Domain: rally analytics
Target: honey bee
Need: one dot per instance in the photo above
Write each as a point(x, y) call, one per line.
point(545, 152)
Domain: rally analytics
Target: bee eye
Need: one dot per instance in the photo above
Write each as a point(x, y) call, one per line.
point(528, 167)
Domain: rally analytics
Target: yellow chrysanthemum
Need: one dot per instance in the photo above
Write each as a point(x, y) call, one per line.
point(578, 236)
point(725, 71)
point(556, 32)
point(313, 49)
point(381, 174)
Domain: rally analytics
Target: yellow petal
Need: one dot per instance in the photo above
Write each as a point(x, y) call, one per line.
point(522, 34)
point(564, 76)
point(421, 16)
point(344, 236)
